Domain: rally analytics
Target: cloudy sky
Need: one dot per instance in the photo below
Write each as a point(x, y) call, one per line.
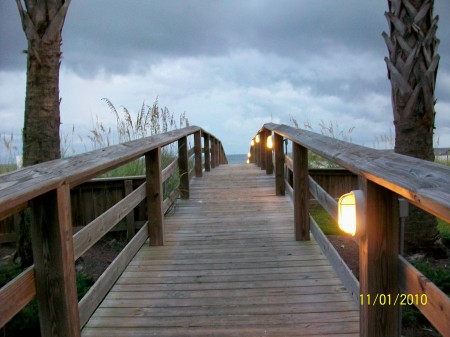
point(229, 65)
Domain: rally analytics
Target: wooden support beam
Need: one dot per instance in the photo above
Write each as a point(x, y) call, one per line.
point(280, 187)
point(213, 152)
point(378, 266)
point(222, 154)
point(183, 166)
point(217, 151)
point(262, 148)
point(207, 151)
point(198, 154)
point(154, 197)
point(301, 192)
point(56, 292)
point(128, 186)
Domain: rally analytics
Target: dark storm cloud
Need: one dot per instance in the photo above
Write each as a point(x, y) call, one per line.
point(117, 35)
point(249, 59)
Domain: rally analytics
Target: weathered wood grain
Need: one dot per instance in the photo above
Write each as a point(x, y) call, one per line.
point(301, 192)
point(98, 291)
point(154, 199)
point(15, 295)
point(94, 231)
point(25, 184)
point(425, 184)
point(437, 308)
point(230, 266)
point(55, 278)
point(378, 255)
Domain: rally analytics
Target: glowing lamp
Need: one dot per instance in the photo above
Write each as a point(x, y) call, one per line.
point(249, 155)
point(257, 139)
point(248, 161)
point(351, 212)
point(269, 143)
point(252, 143)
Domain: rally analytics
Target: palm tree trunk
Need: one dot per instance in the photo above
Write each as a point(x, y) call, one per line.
point(42, 22)
point(42, 116)
point(412, 67)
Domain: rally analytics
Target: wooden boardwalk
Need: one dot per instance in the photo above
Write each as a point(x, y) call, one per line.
point(230, 267)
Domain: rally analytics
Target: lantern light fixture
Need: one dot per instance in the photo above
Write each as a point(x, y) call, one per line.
point(351, 213)
point(269, 142)
point(257, 139)
point(252, 143)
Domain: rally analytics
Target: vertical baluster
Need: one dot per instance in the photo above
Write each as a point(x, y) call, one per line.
point(207, 151)
point(154, 197)
point(378, 254)
point(56, 292)
point(198, 154)
point(213, 152)
point(301, 192)
point(183, 166)
point(280, 185)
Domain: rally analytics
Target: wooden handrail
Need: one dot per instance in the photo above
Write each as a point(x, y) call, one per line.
point(383, 176)
point(46, 188)
point(423, 183)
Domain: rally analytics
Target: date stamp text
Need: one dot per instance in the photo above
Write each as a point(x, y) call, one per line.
point(396, 299)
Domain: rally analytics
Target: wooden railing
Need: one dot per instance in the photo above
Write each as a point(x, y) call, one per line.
point(45, 190)
point(384, 275)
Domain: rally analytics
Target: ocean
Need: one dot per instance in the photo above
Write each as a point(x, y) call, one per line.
point(237, 158)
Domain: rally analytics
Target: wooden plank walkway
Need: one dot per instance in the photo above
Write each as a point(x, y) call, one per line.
point(230, 267)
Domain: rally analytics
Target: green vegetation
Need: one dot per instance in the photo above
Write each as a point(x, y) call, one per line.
point(324, 220)
point(149, 120)
point(444, 230)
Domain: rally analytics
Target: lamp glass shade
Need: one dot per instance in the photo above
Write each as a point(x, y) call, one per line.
point(249, 155)
point(252, 143)
point(269, 143)
point(257, 139)
point(347, 213)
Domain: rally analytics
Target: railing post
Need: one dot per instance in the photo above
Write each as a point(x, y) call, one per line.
point(207, 151)
point(280, 185)
point(217, 152)
point(252, 153)
point(198, 154)
point(222, 154)
point(183, 166)
point(213, 152)
point(154, 197)
point(301, 192)
point(56, 292)
point(378, 256)
point(262, 147)
point(269, 163)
